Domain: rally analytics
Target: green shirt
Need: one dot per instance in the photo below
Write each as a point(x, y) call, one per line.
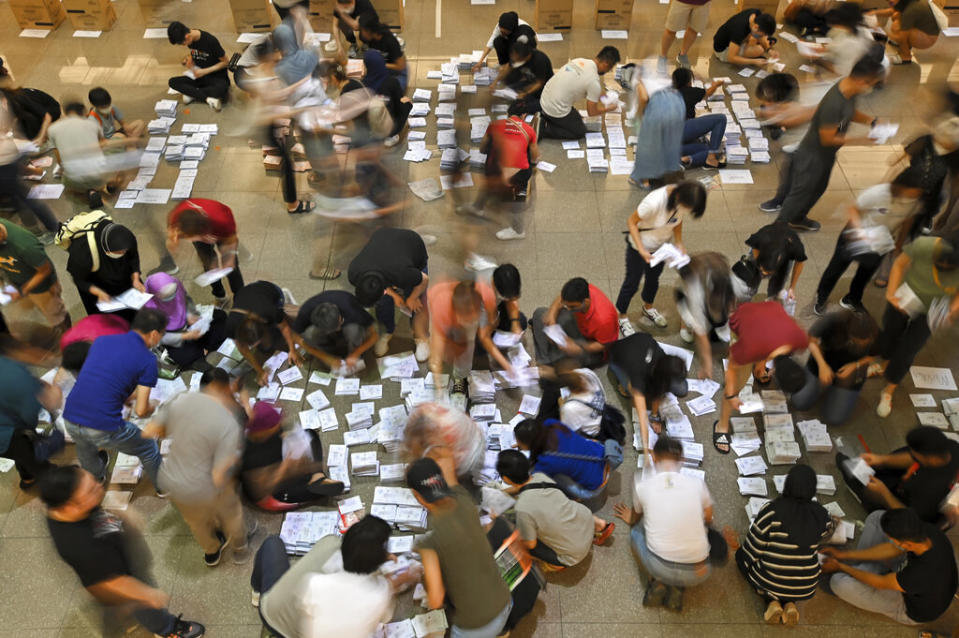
point(925, 280)
point(20, 257)
point(19, 406)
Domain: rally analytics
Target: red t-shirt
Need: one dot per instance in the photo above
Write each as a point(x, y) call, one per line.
point(510, 142)
point(222, 224)
point(761, 327)
point(601, 322)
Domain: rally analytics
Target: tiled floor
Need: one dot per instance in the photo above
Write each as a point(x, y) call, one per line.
point(575, 229)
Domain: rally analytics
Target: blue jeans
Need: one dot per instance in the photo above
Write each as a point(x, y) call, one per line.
point(695, 128)
point(837, 402)
point(128, 439)
point(887, 602)
point(490, 630)
point(668, 572)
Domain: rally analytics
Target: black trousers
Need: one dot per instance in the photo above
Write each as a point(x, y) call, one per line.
point(900, 341)
point(216, 85)
point(636, 269)
point(21, 452)
point(184, 355)
point(288, 180)
point(840, 261)
point(568, 127)
point(809, 177)
point(208, 258)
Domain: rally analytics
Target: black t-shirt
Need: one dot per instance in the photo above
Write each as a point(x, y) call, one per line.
point(928, 486)
point(350, 309)
point(734, 31)
point(261, 298)
point(692, 95)
point(538, 68)
point(388, 45)
point(396, 253)
point(835, 109)
point(257, 454)
point(834, 343)
point(361, 7)
point(777, 238)
point(95, 547)
point(636, 355)
point(929, 580)
point(206, 51)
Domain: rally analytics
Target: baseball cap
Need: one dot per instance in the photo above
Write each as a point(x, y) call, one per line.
point(426, 479)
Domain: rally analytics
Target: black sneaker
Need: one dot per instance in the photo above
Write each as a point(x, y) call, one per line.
point(212, 560)
point(849, 303)
point(770, 206)
point(186, 629)
point(94, 200)
point(104, 462)
point(805, 223)
point(819, 308)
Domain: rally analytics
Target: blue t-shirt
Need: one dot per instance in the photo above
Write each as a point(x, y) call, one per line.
point(19, 406)
point(115, 366)
point(588, 474)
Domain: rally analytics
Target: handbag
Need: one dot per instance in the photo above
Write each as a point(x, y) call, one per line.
point(718, 547)
point(611, 424)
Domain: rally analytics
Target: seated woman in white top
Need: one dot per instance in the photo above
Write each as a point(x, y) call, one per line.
point(582, 410)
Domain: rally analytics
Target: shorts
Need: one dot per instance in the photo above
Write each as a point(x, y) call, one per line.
point(682, 16)
point(722, 56)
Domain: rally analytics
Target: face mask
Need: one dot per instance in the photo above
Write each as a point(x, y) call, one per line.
point(516, 65)
point(105, 111)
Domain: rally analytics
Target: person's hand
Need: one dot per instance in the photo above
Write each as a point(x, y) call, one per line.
point(869, 459)
point(476, 67)
point(826, 375)
point(192, 335)
point(772, 54)
point(14, 295)
point(198, 72)
point(572, 348)
point(415, 304)
point(103, 296)
point(646, 255)
point(139, 285)
point(791, 294)
point(877, 487)
point(295, 357)
point(704, 372)
point(847, 370)
point(829, 566)
point(735, 403)
point(624, 512)
point(350, 362)
point(832, 552)
point(262, 378)
point(891, 298)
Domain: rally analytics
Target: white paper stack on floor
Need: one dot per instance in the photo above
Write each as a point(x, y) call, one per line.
point(127, 470)
point(692, 453)
point(301, 530)
point(825, 484)
point(482, 387)
point(478, 126)
point(755, 504)
point(815, 436)
point(774, 402)
point(782, 452)
point(594, 123)
point(483, 412)
point(752, 486)
point(160, 126)
point(408, 514)
point(484, 76)
point(446, 92)
point(358, 421)
point(446, 138)
point(165, 108)
point(365, 464)
point(422, 95)
point(751, 465)
point(844, 533)
point(596, 161)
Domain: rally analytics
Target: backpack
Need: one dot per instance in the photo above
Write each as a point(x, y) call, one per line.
point(82, 224)
point(611, 424)
point(381, 122)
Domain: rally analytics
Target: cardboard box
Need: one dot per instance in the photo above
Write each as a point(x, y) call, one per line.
point(90, 19)
point(554, 15)
point(614, 14)
point(391, 13)
point(321, 14)
point(253, 15)
point(87, 5)
point(42, 15)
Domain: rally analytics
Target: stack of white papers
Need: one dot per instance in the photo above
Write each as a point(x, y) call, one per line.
point(446, 138)
point(131, 298)
point(481, 386)
point(755, 504)
point(422, 95)
point(301, 530)
point(483, 412)
point(692, 453)
point(752, 486)
point(127, 470)
point(365, 464)
point(825, 484)
point(701, 405)
point(844, 533)
point(160, 126)
point(485, 76)
point(447, 92)
point(815, 436)
point(751, 465)
point(782, 452)
point(165, 108)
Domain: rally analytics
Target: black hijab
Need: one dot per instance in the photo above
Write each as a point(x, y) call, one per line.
point(804, 520)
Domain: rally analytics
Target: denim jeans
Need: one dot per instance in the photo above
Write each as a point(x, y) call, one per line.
point(489, 630)
point(668, 572)
point(887, 602)
point(695, 128)
point(128, 439)
point(837, 402)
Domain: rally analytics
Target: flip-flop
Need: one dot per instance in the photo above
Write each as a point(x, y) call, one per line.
point(302, 207)
point(721, 438)
point(327, 273)
point(603, 536)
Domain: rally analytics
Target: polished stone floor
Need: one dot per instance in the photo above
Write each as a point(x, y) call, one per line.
point(575, 230)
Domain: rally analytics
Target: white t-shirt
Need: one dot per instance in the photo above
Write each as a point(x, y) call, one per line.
point(577, 411)
point(345, 605)
point(579, 78)
point(672, 505)
point(656, 222)
point(879, 208)
point(497, 33)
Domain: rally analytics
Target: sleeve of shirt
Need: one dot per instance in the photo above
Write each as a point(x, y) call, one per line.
point(795, 249)
point(912, 581)
point(526, 525)
point(117, 113)
point(149, 374)
point(493, 36)
point(216, 49)
point(595, 90)
point(705, 497)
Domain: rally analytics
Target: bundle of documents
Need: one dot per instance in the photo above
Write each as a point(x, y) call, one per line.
point(751, 465)
point(408, 513)
point(359, 420)
point(165, 108)
point(594, 123)
point(483, 412)
point(446, 109)
point(752, 486)
point(755, 504)
point(174, 153)
point(692, 453)
point(736, 155)
point(484, 76)
point(701, 405)
point(445, 93)
point(131, 298)
point(671, 255)
point(450, 73)
point(365, 464)
point(782, 452)
point(477, 159)
point(595, 140)
point(446, 138)
point(680, 428)
point(481, 386)
point(390, 437)
point(127, 470)
point(478, 126)
point(160, 126)
point(596, 161)
point(774, 401)
point(418, 396)
point(779, 422)
point(844, 533)
point(825, 484)
point(500, 437)
point(183, 187)
point(451, 158)
point(815, 436)
point(301, 530)
point(422, 95)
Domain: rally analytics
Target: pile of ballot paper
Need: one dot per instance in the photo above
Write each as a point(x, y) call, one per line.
point(365, 464)
point(301, 530)
point(398, 506)
point(127, 470)
point(160, 126)
point(451, 158)
point(815, 436)
point(484, 76)
point(745, 437)
point(166, 108)
point(481, 386)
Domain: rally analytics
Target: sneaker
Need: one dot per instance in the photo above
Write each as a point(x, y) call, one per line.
point(94, 200)
point(214, 104)
point(506, 234)
point(478, 263)
point(807, 224)
point(187, 99)
point(391, 141)
point(160, 493)
point(428, 239)
point(655, 316)
point(674, 598)
point(849, 303)
point(723, 332)
point(655, 594)
point(186, 629)
point(167, 265)
point(661, 65)
point(382, 345)
point(255, 598)
point(212, 560)
point(353, 53)
point(819, 308)
point(422, 352)
point(683, 60)
point(46, 238)
point(242, 555)
point(459, 394)
point(885, 405)
point(57, 171)
point(770, 206)
point(626, 327)
point(686, 335)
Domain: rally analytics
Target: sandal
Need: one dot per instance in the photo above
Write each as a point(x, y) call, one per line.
point(655, 594)
point(327, 273)
point(302, 206)
point(601, 537)
point(721, 438)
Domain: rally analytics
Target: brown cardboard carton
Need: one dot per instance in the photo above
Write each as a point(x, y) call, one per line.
point(253, 15)
point(157, 13)
point(86, 5)
point(44, 17)
point(92, 19)
point(554, 15)
point(391, 13)
point(614, 14)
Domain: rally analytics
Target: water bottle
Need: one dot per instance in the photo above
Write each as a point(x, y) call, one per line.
point(789, 305)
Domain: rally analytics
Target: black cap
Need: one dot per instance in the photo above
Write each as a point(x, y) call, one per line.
point(426, 479)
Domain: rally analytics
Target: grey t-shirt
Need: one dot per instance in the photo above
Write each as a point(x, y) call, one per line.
point(834, 110)
point(550, 517)
point(205, 435)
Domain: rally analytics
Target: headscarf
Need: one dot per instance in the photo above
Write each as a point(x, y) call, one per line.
point(801, 518)
point(117, 238)
point(376, 71)
point(296, 63)
point(169, 297)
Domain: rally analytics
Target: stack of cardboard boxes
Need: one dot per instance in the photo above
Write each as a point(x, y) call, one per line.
point(321, 15)
point(253, 15)
point(38, 14)
point(91, 15)
point(554, 15)
point(614, 14)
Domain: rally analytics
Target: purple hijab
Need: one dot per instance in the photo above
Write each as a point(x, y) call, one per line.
point(175, 308)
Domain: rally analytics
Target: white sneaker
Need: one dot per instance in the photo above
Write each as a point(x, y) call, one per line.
point(288, 296)
point(255, 598)
point(885, 405)
point(187, 99)
point(655, 316)
point(428, 239)
point(686, 335)
point(382, 345)
point(391, 141)
point(214, 103)
point(508, 233)
point(478, 263)
point(422, 350)
point(626, 327)
point(723, 333)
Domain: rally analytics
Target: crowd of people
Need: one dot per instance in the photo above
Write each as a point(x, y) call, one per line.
point(230, 452)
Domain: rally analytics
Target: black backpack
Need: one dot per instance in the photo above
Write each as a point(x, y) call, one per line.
point(612, 424)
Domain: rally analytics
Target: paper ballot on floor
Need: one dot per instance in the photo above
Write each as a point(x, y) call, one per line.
point(433, 623)
point(131, 298)
point(751, 465)
point(752, 486)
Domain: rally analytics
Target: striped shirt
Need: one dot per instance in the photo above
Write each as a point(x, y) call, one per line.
point(777, 566)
